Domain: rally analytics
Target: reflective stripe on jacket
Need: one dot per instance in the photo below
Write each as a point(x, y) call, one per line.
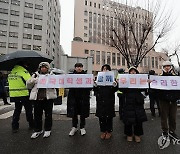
point(17, 78)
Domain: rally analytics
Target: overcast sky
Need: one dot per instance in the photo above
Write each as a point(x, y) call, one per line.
point(67, 24)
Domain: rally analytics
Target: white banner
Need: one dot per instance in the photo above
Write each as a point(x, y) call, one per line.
point(66, 81)
point(165, 82)
point(133, 81)
point(105, 78)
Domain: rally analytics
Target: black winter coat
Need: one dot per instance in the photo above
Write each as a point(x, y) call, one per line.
point(168, 95)
point(133, 107)
point(78, 101)
point(105, 99)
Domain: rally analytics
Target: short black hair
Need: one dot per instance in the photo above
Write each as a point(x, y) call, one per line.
point(108, 67)
point(151, 72)
point(78, 65)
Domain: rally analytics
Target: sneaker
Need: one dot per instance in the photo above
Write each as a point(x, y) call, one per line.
point(129, 138)
point(73, 131)
point(165, 135)
point(103, 135)
point(7, 104)
point(172, 135)
point(83, 131)
point(108, 136)
point(137, 139)
point(36, 134)
point(46, 134)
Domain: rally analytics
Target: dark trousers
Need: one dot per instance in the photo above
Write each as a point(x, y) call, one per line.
point(39, 107)
point(18, 107)
point(168, 115)
point(153, 100)
point(121, 102)
point(106, 124)
point(136, 129)
point(4, 97)
point(75, 121)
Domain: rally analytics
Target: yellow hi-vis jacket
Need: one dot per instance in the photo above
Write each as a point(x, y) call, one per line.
point(17, 78)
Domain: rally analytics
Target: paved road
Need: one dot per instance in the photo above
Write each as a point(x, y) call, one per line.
point(61, 143)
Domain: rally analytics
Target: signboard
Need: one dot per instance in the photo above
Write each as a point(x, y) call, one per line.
point(133, 81)
point(105, 78)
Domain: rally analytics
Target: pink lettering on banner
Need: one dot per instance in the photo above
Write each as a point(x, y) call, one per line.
point(70, 80)
point(174, 82)
point(61, 81)
point(79, 80)
point(132, 80)
point(52, 80)
point(154, 82)
point(88, 81)
point(143, 81)
point(123, 80)
point(164, 82)
point(43, 81)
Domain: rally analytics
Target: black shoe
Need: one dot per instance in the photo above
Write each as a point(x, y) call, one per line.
point(165, 135)
point(15, 130)
point(7, 104)
point(172, 135)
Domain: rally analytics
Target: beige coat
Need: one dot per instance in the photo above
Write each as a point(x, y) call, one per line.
point(32, 84)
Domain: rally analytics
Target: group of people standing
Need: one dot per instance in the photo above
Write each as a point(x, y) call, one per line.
point(132, 110)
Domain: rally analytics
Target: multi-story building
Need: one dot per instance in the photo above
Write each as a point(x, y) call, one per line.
point(92, 23)
point(30, 25)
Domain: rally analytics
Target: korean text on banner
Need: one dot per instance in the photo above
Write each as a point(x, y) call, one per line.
point(105, 78)
point(133, 81)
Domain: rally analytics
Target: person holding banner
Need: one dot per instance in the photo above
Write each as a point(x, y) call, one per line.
point(105, 107)
point(168, 105)
point(78, 103)
point(133, 111)
point(43, 101)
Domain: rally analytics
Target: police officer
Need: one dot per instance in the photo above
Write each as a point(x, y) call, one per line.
point(20, 94)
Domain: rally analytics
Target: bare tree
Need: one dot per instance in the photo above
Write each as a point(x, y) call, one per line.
point(134, 28)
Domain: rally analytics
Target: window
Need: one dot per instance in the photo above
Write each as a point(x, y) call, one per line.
point(29, 5)
point(92, 54)
point(86, 51)
point(85, 35)
point(28, 15)
point(156, 62)
point(39, 7)
point(114, 58)
point(15, 13)
point(152, 62)
point(15, 2)
point(36, 47)
point(85, 20)
point(123, 61)
point(26, 46)
point(3, 22)
point(85, 2)
point(26, 25)
point(39, 17)
point(3, 33)
point(13, 34)
point(14, 23)
point(94, 4)
point(97, 57)
point(38, 27)
point(103, 57)
point(37, 37)
point(118, 59)
point(3, 11)
point(145, 61)
point(85, 28)
point(4, 1)
point(27, 36)
point(85, 13)
point(3, 44)
point(13, 45)
point(99, 6)
point(109, 58)
point(90, 4)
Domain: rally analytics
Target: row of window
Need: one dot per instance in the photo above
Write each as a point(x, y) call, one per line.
point(24, 46)
point(16, 24)
point(96, 5)
point(29, 5)
point(102, 57)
